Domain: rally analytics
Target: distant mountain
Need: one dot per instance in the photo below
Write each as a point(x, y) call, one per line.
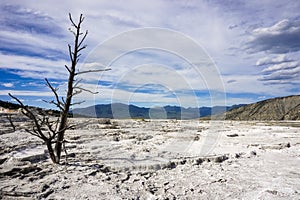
point(123, 111)
point(281, 108)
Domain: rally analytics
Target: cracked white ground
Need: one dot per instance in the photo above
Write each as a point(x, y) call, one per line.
point(157, 159)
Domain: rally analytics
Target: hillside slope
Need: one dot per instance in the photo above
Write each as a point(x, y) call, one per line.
point(282, 108)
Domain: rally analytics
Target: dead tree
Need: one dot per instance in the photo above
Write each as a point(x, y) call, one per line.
point(10, 120)
point(52, 131)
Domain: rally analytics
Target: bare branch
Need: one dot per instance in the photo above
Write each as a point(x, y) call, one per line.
point(81, 18)
point(31, 116)
point(62, 130)
point(71, 126)
point(78, 82)
point(76, 92)
point(70, 52)
point(90, 71)
point(73, 24)
point(58, 103)
point(83, 38)
point(86, 90)
point(68, 68)
point(77, 103)
point(49, 125)
point(15, 98)
point(80, 49)
point(34, 134)
point(63, 100)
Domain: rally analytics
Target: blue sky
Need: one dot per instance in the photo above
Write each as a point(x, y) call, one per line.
point(247, 50)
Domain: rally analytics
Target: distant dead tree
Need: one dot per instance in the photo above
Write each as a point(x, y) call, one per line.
point(45, 127)
point(10, 120)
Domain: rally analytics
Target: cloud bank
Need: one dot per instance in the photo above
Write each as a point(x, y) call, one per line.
point(282, 37)
point(254, 44)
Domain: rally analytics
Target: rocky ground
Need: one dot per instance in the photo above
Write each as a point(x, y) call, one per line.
point(156, 159)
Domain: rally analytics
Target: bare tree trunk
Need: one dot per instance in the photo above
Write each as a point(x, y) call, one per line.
point(64, 115)
point(51, 152)
point(72, 73)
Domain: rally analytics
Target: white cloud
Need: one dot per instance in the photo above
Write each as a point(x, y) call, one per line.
point(26, 93)
point(8, 85)
point(275, 60)
point(282, 37)
point(278, 28)
point(93, 65)
point(283, 76)
point(33, 67)
point(279, 70)
point(281, 66)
